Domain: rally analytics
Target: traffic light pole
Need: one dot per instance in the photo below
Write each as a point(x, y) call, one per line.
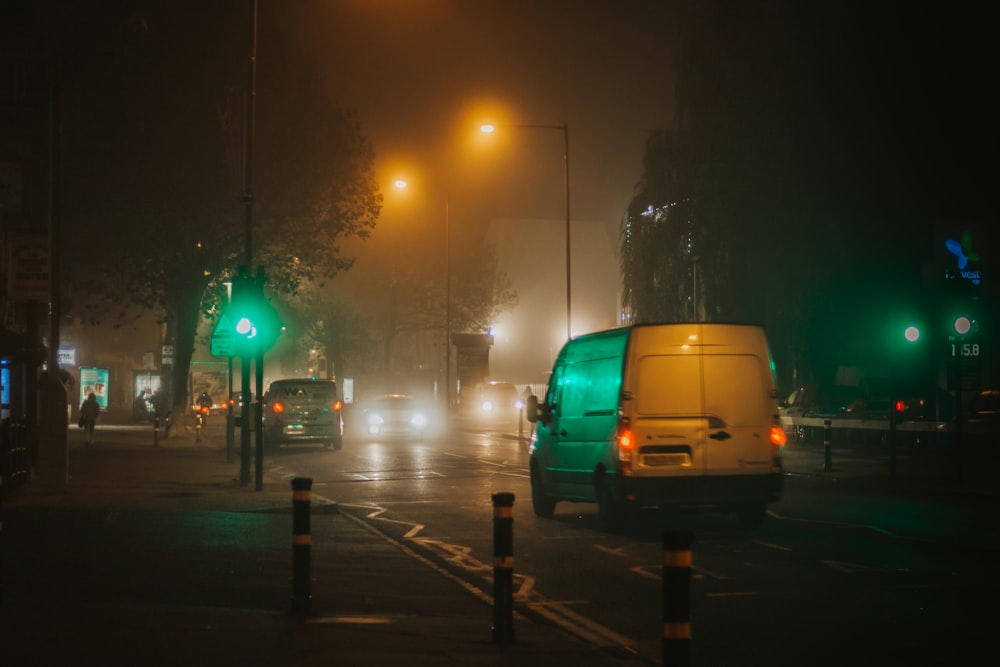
point(258, 414)
point(245, 409)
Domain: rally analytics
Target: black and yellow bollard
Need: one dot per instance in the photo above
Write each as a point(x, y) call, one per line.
point(677, 597)
point(503, 568)
point(301, 544)
point(827, 445)
point(198, 421)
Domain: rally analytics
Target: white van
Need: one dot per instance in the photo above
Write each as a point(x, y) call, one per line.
point(660, 414)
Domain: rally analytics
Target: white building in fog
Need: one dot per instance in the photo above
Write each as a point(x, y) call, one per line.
point(533, 254)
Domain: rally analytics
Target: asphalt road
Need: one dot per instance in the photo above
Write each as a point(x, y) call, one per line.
point(852, 566)
point(159, 555)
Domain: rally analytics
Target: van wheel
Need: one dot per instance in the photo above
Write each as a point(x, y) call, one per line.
point(543, 505)
point(752, 515)
point(337, 444)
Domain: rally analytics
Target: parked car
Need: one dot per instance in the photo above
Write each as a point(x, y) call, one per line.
point(397, 415)
point(816, 400)
point(906, 408)
point(879, 409)
point(303, 410)
point(982, 416)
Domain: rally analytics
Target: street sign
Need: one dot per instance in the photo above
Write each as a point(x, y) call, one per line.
point(223, 339)
point(223, 344)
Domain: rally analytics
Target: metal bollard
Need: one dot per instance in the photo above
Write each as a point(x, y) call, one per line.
point(156, 431)
point(677, 597)
point(503, 568)
point(827, 445)
point(301, 544)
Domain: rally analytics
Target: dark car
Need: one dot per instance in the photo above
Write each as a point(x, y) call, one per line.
point(496, 401)
point(982, 416)
point(303, 410)
point(905, 408)
point(398, 415)
point(901, 409)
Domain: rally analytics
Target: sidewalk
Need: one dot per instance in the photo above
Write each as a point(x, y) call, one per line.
point(158, 556)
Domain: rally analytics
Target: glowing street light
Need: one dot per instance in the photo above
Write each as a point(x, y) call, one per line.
point(488, 128)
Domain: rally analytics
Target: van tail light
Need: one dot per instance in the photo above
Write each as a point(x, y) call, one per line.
point(626, 445)
point(337, 406)
point(778, 440)
point(278, 407)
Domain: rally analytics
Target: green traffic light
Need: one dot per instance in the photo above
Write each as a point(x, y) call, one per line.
point(244, 326)
point(254, 320)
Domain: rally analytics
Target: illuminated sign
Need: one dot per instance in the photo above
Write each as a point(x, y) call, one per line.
point(962, 252)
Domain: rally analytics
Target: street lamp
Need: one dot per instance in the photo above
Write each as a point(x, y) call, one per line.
point(488, 129)
point(401, 184)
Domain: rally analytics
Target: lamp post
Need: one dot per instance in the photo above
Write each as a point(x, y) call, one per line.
point(488, 128)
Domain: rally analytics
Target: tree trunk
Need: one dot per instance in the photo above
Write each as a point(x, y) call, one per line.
point(182, 326)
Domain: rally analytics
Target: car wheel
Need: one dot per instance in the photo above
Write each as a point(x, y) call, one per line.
point(543, 505)
point(337, 444)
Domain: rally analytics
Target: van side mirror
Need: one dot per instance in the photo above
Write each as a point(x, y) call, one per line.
point(534, 412)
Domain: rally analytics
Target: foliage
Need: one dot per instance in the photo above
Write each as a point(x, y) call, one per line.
point(154, 170)
point(356, 322)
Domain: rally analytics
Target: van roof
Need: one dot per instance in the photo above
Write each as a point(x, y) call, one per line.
point(612, 343)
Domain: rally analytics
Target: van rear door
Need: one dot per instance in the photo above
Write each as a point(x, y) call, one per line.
point(736, 395)
point(701, 397)
point(668, 420)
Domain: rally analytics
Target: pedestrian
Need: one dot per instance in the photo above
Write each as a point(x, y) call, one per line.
point(89, 411)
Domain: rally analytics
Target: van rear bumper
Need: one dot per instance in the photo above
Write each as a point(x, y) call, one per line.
point(703, 490)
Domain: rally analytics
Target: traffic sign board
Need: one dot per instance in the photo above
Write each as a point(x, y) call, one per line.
point(223, 346)
point(223, 340)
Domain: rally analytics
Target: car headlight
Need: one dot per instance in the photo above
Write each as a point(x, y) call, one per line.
point(487, 406)
point(375, 419)
point(419, 420)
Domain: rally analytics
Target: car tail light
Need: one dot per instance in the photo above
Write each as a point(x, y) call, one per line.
point(337, 405)
point(900, 406)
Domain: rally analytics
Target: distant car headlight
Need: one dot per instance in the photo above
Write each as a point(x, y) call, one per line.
point(375, 419)
point(418, 420)
point(519, 404)
point(487, 406)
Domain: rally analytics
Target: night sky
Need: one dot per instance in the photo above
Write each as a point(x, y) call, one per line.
point(870, 122)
